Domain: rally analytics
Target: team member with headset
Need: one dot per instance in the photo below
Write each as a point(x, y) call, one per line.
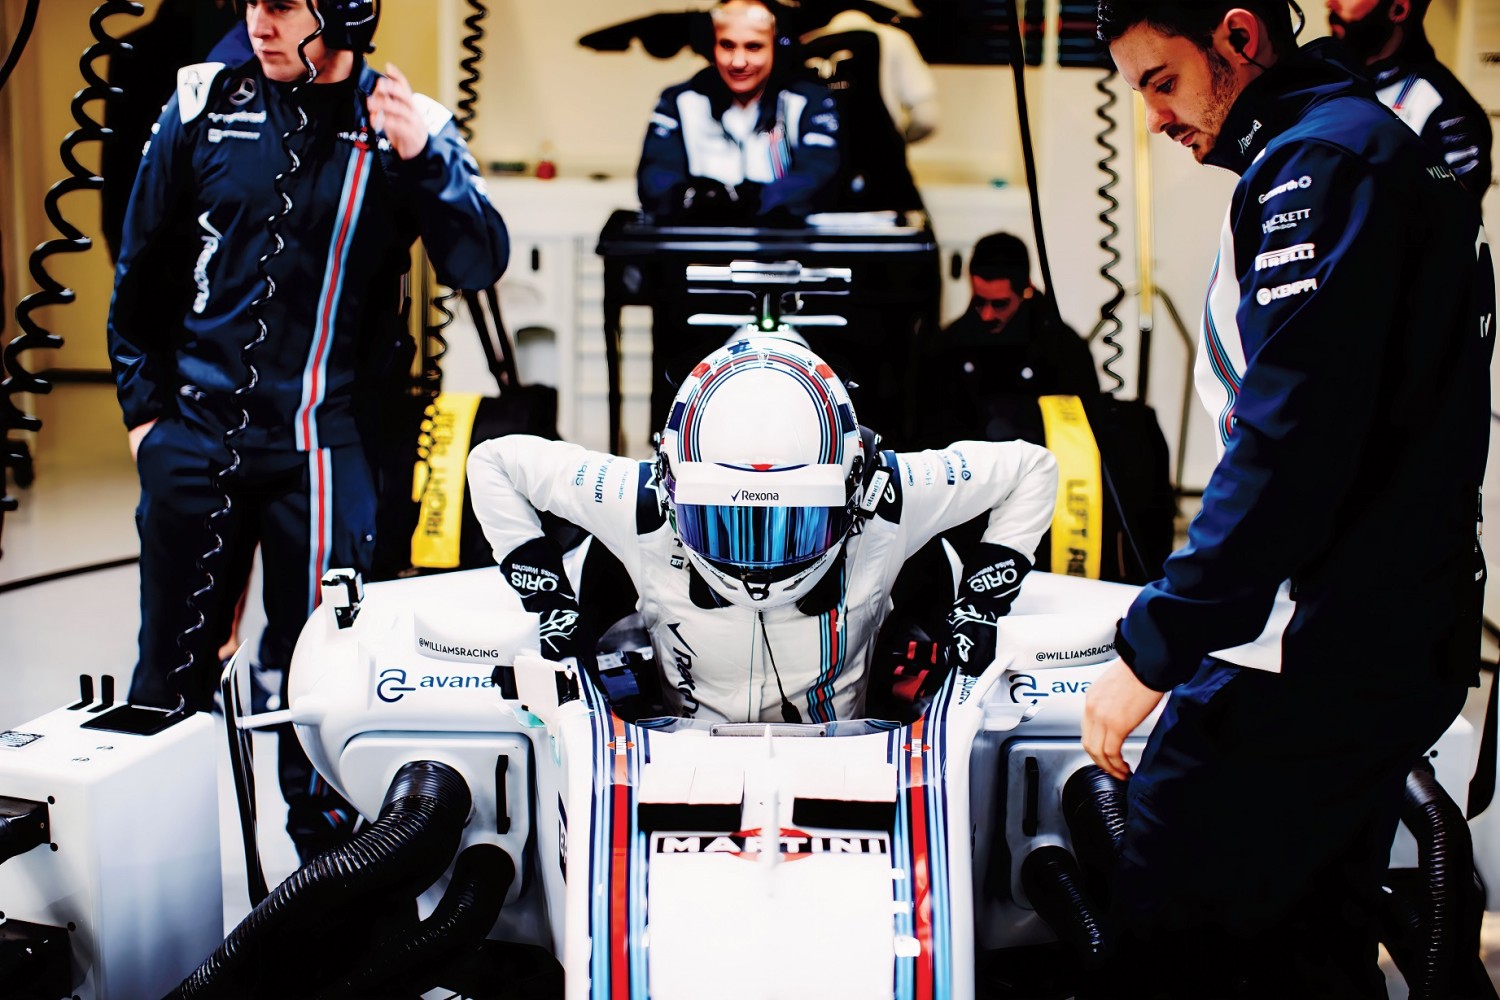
point(373, 167)
point(1317, 632)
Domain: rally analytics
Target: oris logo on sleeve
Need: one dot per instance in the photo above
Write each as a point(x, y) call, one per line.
point(1301, 183)
point(1285, 220)
point(1268, 295)
point(1275, 258)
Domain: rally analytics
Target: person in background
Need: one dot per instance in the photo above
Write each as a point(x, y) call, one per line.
point(193, 311)
point(1008, 343)
point(741, 140)
point(1347, 336)
point(1388, 39)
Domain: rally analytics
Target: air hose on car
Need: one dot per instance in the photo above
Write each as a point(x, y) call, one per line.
point(1066, 891)
point(463, 918)
point(1054, 884)
point(1443, 959)
point(1094, 809)
point(398, 856)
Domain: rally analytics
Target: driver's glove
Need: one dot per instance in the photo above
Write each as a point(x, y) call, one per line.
point(535, 571)
point(992, 578)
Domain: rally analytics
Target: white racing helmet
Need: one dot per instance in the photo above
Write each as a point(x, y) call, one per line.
point(761, 461)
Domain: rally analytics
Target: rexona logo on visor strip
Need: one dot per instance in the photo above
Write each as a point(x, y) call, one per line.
point(707, 483)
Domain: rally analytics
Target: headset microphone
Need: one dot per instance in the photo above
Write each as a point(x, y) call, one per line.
point(1238, 39)
point(349, 24)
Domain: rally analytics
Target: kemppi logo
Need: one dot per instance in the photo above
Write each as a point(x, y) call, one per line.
point(1266, 296)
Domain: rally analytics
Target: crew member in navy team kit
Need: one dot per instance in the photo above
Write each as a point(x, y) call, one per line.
point(1009, 345)
point(1388, 38)
point(741, 139)
point(764, 539)
point(1319, 629)
point(193, 313)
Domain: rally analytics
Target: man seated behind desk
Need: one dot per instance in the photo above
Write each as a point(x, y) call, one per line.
point(738, 141)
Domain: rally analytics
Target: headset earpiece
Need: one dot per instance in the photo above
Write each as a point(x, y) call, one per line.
point(1238, 39)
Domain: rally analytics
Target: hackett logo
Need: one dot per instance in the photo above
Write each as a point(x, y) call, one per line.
point(1285, 220)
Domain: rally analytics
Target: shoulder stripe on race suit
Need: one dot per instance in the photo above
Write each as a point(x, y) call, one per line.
point(1218, 359)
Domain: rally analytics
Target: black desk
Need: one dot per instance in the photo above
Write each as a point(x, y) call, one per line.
point(893, 298)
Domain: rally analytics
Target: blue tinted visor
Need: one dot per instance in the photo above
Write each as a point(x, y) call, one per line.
point(760, 537)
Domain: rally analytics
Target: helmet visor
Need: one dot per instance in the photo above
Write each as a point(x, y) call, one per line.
point(759, 517)
point(760, 537)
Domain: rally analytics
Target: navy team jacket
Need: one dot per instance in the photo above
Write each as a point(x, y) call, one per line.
point(188, 277)
point(1346, 344)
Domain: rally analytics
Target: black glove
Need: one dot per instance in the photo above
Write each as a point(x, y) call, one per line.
point(535, 571)
point(747, 198)
point(992, 578)
point(705, 201)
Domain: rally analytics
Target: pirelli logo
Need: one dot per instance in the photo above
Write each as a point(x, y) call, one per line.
point(1275, 258)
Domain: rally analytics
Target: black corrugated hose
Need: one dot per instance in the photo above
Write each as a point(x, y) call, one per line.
point(463, 918)
point(1054, 885)
point(1094, 808)
point(1444, 961)
point(398, 856)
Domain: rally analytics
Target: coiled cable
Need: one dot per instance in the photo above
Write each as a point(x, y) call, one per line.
point(181, 678)
point(469, 84)
point(19, 378)
point(437, 344)
point(434, 341)
point(1109, 320)
point(23, 35)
